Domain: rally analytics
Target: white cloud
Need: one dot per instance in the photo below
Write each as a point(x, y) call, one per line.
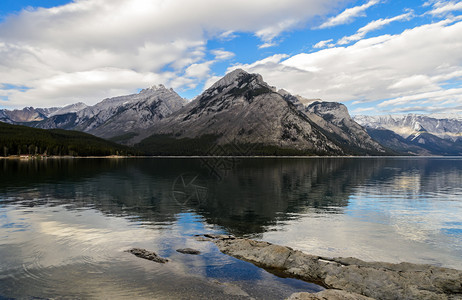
point(267, 45)
point(444, 7)
point(419, 61)
point(142, 38)
point(87, 86)
point(433, 96)
point(221, 54)
point(364, 110)
point(200, 71)
point(414, 82)
point(210, 81)
point(348, 15)
point(371, 26)
point(269, 33)
point(325, 43)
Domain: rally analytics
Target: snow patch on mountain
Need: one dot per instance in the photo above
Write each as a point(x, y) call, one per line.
point(72, 108)
point(449, 128)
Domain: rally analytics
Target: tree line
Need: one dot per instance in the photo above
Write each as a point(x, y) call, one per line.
point(22, 140)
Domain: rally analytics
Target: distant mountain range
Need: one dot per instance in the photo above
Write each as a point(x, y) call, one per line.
point(416, 134)
point(242, 115)
point(30, 114)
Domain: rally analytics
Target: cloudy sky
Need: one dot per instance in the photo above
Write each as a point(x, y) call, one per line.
point(375, 56)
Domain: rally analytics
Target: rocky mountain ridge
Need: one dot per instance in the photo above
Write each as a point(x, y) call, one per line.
point(27, 114)
point(116, 116)
point(416, 134)
point(447, 127)
point(31, 114)
point(242, 109)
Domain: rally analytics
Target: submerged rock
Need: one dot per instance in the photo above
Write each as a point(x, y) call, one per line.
point(146, 254)
point(231, 289)
point(328, 294)
point(188, 251)
point(219, 236)
point(201, 239)
point(378, 280)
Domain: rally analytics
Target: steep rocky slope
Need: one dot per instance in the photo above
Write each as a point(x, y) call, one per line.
point(242, 109)
point(119, 116)
point(337, 121)
point(446, 127)
point(416, 134)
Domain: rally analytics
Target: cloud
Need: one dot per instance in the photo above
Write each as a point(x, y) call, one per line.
point(371, 26)
point(267, 45)
point(83, 86)
point(444, 7)
point(210, 81)
point(348, 15)
point(274, 59)
point(221, 54)
point(200, 71)
point(325, 43)
point(431, 97)
point(420, 61)
point(142, 38)
point(227, 35)
point(363, 110)
point(269, 33)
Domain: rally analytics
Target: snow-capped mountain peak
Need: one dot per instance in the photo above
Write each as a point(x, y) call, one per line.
point(72, 108)
point(418, 127)
point(407, 125)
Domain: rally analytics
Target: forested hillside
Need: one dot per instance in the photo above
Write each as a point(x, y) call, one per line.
point(22, 140)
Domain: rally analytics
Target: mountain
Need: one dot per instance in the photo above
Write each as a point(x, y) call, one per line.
point(72, 108)
point(434, 144)
point(4, 117)
point(342, 128)
point(27, 114)
point(446, 127)
point(334, 118)
point(395, 142)
point(119, 117)
point(241, 114)
point(22, 140)
point(30, 114)
point(416, 134)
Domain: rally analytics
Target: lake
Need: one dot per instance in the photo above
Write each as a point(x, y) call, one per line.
point(65, 223)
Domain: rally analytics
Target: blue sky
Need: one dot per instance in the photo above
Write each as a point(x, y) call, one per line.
point(375, 56)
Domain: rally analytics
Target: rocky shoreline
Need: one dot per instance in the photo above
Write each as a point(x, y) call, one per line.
point(345, 278)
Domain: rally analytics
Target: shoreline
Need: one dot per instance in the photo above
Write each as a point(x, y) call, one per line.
point(345, 278)
point(33, 157)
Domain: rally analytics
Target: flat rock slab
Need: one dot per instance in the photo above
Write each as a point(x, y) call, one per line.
point(189, 251)
point(201, 239)
point(328, 294)
point(219, 236)
point(146, 254)
point(379, 280)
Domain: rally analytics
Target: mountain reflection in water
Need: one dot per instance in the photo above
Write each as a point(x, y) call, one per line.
point(88, 210)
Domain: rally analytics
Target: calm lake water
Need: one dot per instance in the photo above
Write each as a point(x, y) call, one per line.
point(65, 223)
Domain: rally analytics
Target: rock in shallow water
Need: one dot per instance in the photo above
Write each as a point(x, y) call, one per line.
point(201, 239)
point(328, 294)
point(149, 255)
point(377, 280)
point(188, 251)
